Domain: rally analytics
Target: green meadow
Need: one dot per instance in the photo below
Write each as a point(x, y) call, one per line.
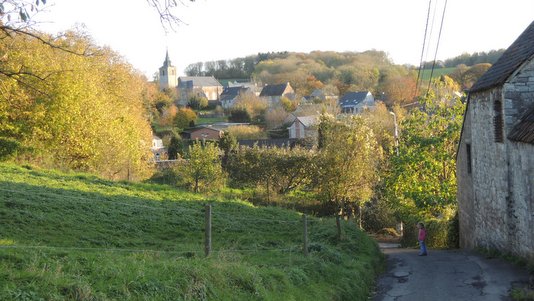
point(72, 236)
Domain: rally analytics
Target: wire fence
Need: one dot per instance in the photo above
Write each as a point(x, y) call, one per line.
point(301, 224)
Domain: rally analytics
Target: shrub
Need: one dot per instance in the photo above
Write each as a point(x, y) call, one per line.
point(441, 233)
point(239, 115)
point(8, 147)
point(246, 132)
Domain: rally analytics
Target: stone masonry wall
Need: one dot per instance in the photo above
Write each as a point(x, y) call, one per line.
point(465, 187)
point(496, 199)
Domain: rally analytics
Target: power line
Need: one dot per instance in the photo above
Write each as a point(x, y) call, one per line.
point(437, 47)
point(422, 50)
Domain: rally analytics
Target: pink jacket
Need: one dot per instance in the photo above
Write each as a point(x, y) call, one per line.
point(422, 234)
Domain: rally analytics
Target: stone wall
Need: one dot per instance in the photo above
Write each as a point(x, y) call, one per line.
point(496, 198)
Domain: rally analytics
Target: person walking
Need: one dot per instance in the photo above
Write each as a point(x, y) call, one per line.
point(421, 237)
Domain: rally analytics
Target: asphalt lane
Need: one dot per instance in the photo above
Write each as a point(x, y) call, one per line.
point(446, 275)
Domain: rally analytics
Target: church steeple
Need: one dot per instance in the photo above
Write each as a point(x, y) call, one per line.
point(167, 74)
point(167, 62)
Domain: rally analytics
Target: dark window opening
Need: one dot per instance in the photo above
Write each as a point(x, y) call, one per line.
point(498, 121)
point(468, 152)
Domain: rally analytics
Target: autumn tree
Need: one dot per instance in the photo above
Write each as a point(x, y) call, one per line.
point(399, 89)
point(185, 118)
point(72, 111)
point(197, 102)
point(467, 76)
point(202, 170)
point(275, 118)
point(254, 106)
point(347, 163)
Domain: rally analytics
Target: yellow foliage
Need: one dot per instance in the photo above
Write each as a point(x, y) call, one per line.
point(247, 132)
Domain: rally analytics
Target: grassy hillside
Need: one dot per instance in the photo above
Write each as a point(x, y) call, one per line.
point(78, 237)
point(425, 73)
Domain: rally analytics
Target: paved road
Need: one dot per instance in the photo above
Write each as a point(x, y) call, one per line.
point(446, 275)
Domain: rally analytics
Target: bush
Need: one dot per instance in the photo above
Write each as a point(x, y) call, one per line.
point(246, 132)
point(378, 215)
point(8, 147)
point(239, 115)
point(441, 233)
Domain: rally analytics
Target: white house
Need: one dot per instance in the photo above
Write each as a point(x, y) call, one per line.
point(356, 102)
point(157, 148)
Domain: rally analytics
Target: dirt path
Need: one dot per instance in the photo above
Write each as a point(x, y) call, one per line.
point(446, 275)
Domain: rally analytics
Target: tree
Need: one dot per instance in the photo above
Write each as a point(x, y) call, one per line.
point(254, 105)
point(275, 118)
point(278, 170)
point(228, 144)
point(467, 76)
point(184, 117)
point(176, 146)
point(347, 163)
point(288, 104)
point(197, 102)
point(422, 183)
point(75, 112)
point(399, 89)
point(238, 114)
point(202, 170)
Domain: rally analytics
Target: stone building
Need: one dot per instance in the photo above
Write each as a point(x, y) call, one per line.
point(203, 86)
point(495, 160)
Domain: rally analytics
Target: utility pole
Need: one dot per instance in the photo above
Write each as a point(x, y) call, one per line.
point(396, 133)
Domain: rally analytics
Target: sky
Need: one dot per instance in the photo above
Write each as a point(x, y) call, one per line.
point(227, 29)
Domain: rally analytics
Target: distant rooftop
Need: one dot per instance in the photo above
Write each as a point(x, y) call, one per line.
point(197, 81)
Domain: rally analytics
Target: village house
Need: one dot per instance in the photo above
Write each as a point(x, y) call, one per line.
point(203, 132)
point(157, 148)
point(303, 127)
point(495, 159)
point(230, 94)
point(253, 87)
point(203, 86)
point(273, 93)
point(356, 102)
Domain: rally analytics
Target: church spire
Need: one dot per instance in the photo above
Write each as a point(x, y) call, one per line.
point(167, 62)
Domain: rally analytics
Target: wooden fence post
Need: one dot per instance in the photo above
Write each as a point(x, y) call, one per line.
point(338, 225)
point(305, 219)
point(207, 233)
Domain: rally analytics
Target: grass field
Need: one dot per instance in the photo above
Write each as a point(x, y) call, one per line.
point(425, 73)
point(209, 120)
point(78, 237)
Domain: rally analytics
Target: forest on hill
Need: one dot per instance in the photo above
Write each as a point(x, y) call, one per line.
point(339, 72)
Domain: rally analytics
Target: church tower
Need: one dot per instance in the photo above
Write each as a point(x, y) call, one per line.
point(167, 74)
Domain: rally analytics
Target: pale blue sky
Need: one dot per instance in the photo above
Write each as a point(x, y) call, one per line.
point(226, 29)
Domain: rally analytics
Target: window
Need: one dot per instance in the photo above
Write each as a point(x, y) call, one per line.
point(468, 153)
point(498, 121)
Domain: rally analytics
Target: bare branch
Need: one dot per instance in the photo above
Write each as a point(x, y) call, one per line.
point(167, 16)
